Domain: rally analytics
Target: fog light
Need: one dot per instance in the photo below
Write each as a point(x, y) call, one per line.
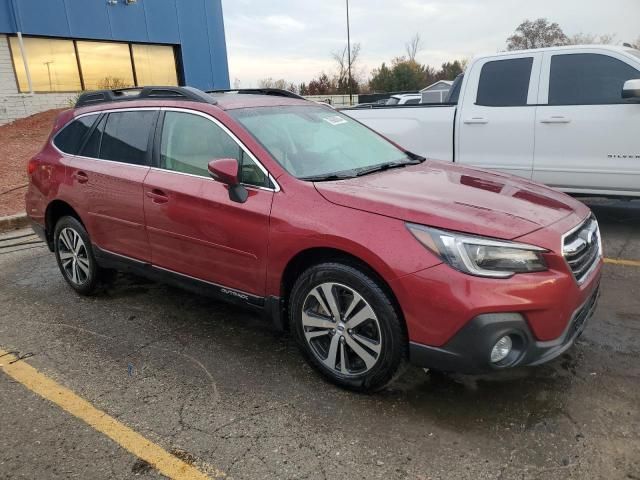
point(501, 349)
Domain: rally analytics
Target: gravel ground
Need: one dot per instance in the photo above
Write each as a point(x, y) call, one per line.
point(216, 385)
point(19, 141)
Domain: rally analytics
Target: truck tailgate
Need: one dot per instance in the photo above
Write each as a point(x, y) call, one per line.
point(426, 129)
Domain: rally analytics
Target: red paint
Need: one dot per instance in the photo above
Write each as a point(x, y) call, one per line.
point(188, 224)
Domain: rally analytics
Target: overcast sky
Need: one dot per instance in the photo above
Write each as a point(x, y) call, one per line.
point(293, 39)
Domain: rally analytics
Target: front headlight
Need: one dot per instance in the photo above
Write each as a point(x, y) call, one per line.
point(481, 256)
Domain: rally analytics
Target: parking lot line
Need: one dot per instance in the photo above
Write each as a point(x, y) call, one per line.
point(628, 263)
point(166, 463)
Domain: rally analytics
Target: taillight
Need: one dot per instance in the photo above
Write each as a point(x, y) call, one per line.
point(31, 166)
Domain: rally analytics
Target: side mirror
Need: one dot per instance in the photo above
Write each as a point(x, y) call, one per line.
point(225, 171)
point(631, 90)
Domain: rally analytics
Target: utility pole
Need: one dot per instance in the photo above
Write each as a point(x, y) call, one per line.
point(48, 64)
point(349, 56)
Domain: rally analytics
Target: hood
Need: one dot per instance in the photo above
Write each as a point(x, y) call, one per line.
point(448, 196)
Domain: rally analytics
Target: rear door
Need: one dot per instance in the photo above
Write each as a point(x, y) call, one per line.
point(194, 228)
point(586, 135)
point(108, 175)
point(495, 121)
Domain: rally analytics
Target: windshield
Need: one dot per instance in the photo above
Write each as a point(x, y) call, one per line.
point(314, 141)
point(393, 101)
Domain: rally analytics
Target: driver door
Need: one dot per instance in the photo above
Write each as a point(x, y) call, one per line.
point(194, 228)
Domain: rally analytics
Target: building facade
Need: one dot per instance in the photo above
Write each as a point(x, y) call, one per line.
point(52, 49)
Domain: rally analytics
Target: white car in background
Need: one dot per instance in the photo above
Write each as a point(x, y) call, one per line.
point(405, 99)
point(568, 117)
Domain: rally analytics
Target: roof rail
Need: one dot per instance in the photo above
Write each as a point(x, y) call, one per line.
point(278, 92)
point(142, 93)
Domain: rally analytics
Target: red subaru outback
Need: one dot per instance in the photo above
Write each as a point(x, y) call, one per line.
point(370, 255)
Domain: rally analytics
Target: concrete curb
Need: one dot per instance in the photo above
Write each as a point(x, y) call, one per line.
point(13, 222)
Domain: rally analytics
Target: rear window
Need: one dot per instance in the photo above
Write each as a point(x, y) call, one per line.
point(126, 137)
point(70, 138)
point(505, 83)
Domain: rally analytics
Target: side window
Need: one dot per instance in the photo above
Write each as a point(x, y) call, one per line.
point(92, 146)
point(189, 142)
point(412, 101)
point(504, 83)
point(587, 79)
point(126, 136)
point(70, 138)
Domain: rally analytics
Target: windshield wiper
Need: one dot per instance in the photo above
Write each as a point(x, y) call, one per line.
point(328, 177)
point(387, 166)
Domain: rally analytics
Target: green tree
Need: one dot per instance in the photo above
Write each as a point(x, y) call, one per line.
point(536, 34)
point(403, 75)
point(450, 70)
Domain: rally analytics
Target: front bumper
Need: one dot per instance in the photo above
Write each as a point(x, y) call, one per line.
point(469, 350)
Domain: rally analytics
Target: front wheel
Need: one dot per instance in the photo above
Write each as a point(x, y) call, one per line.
point(347, 326)
point(75, 256)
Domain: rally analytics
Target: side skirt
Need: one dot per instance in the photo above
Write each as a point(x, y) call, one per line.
point(115, 261)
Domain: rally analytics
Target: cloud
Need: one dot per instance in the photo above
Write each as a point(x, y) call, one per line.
point(293, 40)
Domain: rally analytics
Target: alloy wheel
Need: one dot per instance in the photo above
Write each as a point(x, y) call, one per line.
point(341, 329)
point(73, 256)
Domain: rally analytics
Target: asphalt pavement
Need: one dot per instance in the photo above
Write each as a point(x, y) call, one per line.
point(215, 387)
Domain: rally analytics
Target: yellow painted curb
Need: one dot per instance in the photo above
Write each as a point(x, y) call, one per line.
point(628, 263)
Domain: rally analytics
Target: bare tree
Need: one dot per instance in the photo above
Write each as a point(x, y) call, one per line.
point(342, 63)
point(591, 39)
point(413, 46)
point(271, 83)
point(536, 34)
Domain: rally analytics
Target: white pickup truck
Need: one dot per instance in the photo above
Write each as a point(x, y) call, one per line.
point(568, 117)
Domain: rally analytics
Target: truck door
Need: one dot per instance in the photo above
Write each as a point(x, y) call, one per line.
point(586, 133)
point(495, 123)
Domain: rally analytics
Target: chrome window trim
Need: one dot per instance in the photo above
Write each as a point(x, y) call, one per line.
point(170, 109)
point(580, 225)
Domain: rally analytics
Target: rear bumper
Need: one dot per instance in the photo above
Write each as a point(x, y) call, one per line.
point(42, 233)
point(469, 350)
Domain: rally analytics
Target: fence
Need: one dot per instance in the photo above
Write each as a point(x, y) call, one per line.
point(335, 100)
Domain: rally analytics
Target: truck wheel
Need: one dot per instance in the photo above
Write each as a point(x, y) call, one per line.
point(75, 256)
point(347, 327)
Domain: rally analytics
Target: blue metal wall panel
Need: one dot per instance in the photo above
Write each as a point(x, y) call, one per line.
point(217, 44)
point(6, 17)
point(88, 19)
point(194, 37)
point(128, 21)
point(195, 26)
point(162, 21)
point(37, 16)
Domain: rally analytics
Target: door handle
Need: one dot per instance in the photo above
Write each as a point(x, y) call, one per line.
point(555, 119)
point(81, 177)
point(157, 196)
point(476, 121)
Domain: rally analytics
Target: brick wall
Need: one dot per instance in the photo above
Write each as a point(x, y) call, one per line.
point(15, 105)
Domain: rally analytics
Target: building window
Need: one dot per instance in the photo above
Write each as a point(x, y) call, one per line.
point(52, 65)
point(105, 65)
point(155, 64)
point(58, 65)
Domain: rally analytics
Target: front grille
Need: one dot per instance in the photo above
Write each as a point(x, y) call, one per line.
point(581, 248)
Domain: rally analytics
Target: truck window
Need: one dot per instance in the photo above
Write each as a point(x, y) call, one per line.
point(588, 79)
point(504, 83)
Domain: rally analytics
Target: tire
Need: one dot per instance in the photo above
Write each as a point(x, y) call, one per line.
point(356, 340)
point(74, 255)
